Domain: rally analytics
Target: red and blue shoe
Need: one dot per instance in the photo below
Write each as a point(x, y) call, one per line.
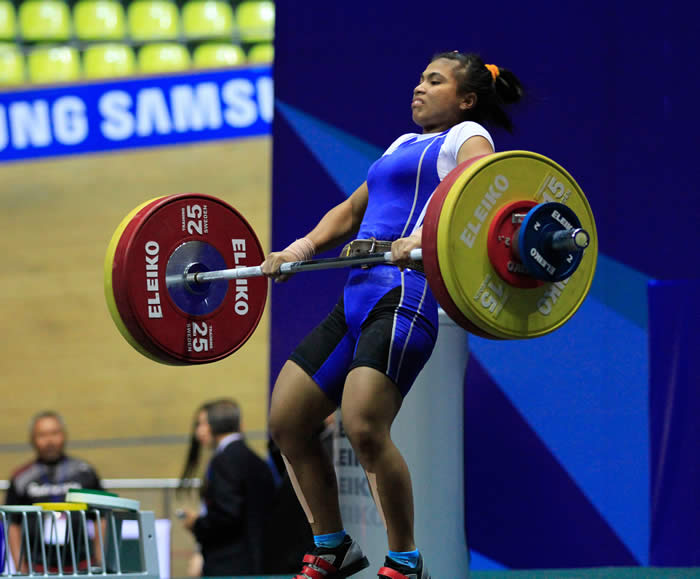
point(337, 563)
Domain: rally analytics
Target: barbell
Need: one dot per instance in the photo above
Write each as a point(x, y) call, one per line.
point(509, 248)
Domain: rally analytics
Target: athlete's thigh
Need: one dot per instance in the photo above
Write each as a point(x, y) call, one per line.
point(297, 403)
point(398, 335)
point(371, 401)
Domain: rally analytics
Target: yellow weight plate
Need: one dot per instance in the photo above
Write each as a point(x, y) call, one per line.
point(62, 506)
point(489, 302)
point(109, 290)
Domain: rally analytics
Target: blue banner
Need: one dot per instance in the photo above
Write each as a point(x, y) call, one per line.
point(143, 112)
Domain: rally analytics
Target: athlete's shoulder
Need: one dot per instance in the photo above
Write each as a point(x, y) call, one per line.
point(462, 132)
point(469, 127)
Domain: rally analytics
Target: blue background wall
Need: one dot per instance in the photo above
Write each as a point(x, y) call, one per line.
point(558, 437)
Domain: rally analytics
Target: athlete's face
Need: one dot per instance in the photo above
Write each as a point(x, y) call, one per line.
point(48, 439)
point(436, 104)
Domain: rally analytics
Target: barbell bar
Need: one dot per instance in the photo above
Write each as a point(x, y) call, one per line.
point(290, 267)
point(573, 240)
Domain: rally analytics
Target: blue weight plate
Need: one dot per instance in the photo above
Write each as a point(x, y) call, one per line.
point(534, 241)
point(195, 257)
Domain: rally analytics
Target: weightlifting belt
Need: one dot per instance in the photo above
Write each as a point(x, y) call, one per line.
point(366, 246)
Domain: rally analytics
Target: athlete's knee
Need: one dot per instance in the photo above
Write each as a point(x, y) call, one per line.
point(286, 431)
point(368, 440)
point(297, 410)
point(293, 432)
point(279, 428)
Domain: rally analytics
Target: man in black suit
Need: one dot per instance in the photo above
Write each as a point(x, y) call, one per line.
point(238, 489)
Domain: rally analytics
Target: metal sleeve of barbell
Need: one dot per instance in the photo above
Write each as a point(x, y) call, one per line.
point(299, 266)
point(570, 239)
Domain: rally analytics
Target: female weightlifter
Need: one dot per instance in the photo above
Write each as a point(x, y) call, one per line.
point(366, 354)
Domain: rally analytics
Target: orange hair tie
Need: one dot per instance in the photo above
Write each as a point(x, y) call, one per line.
point(493, 69)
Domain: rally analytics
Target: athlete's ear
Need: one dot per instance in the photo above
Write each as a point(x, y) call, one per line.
point(468, 101)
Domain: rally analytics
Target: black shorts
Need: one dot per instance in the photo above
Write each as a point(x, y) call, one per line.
point(395, 336)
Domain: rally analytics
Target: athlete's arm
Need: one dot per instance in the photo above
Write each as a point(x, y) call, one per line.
point(341, 222)
point(473, 147)
point(335, 227)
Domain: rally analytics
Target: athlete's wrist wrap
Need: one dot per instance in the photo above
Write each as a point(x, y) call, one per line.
point(303, 249)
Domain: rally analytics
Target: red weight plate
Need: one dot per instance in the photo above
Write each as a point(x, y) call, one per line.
point(430, 257)
point(154, 314)
point(198, 344)
point(501, 237)
point(126, 322)
point(120, 283)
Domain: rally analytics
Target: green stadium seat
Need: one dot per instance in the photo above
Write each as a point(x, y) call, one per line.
point(163, 57)
point(49, 64)
point(99, 20)
point(218, 55)
point(207, 19)
point(262, 53)
point(153, 20)
point(11, 65)
point(256, 20)
point(44, 20)
point(108, 61)
point(8, 20)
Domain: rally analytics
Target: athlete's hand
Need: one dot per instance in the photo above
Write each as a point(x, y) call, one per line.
point(401, 248)
point(271, 265)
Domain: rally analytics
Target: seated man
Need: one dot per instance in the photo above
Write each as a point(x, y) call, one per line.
point(47, 479)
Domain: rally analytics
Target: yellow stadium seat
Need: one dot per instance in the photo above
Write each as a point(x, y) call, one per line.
point(153, 20)
point(99, 20)
point(163, 57)
point(41, 20)
point(256, 20)
point(218, 55)
point(207, 19)
point(11, 65)
point(261, 53)
point(108, 61)
point(53, 64)
point(8, 20)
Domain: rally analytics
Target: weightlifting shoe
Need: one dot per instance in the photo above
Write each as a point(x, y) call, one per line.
point(337, 563)
point(394, 570)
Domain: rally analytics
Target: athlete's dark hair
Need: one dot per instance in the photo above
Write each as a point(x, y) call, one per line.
point(494, 86)
point(224, 417)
